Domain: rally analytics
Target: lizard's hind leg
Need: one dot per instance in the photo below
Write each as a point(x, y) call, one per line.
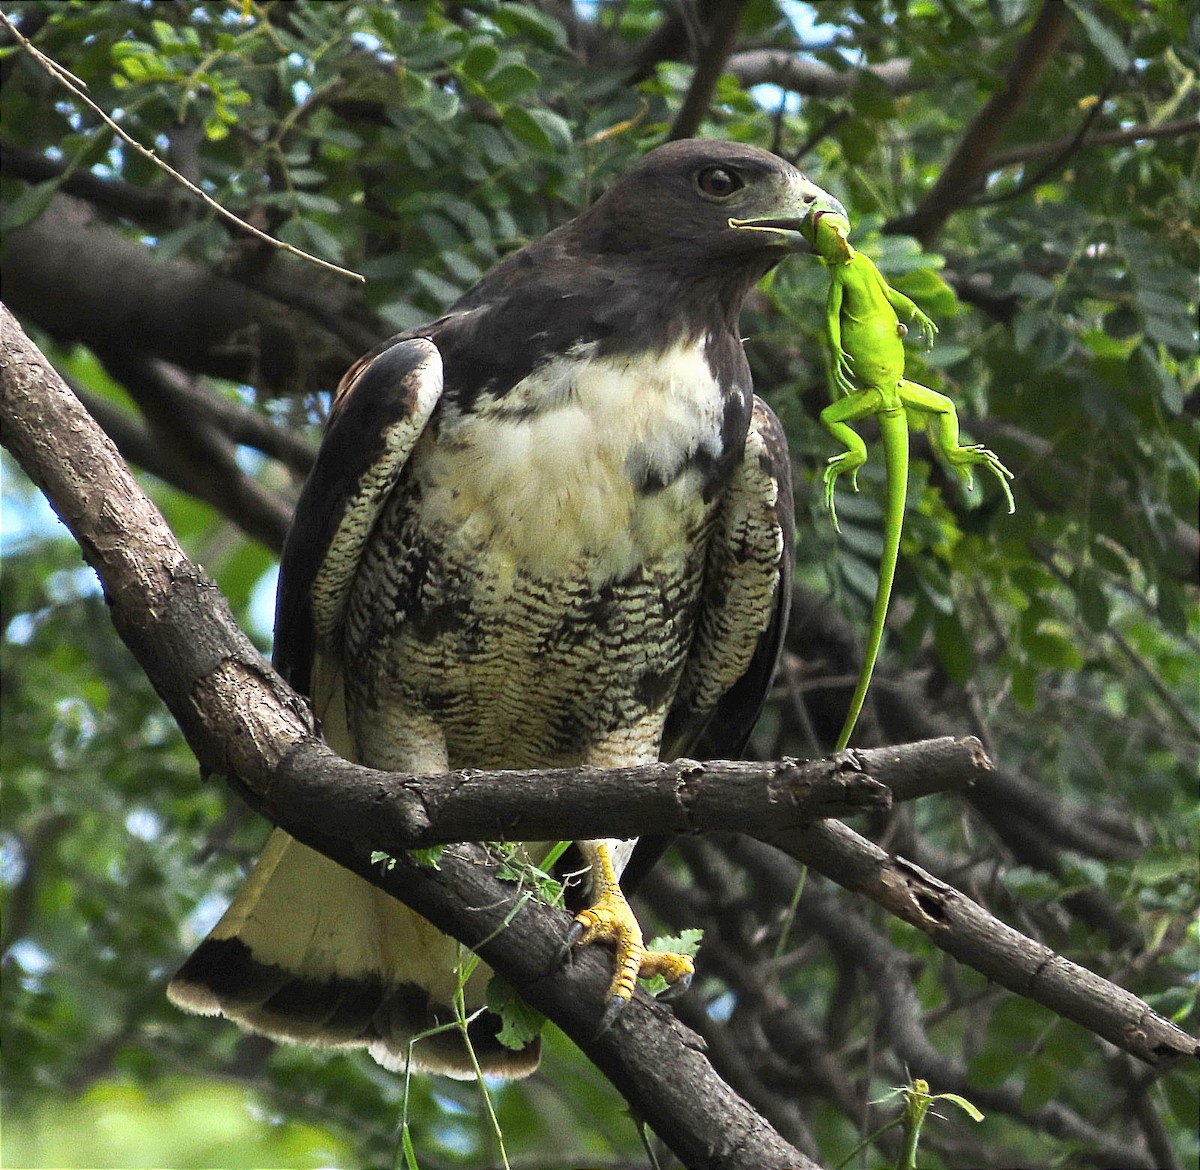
point(837, 418)
point(944, 432)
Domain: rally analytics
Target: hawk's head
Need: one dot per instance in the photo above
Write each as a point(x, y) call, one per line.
point(702, 207)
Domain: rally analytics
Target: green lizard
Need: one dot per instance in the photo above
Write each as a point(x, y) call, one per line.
point(866, 340)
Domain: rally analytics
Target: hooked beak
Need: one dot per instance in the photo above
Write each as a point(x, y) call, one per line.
point(796, 232)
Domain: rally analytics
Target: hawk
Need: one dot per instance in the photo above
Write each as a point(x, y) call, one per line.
point(551, 528)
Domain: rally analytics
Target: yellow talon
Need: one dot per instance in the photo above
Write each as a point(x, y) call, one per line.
point(610, 919)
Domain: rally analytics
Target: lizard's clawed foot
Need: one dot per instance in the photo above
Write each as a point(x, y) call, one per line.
point(839, 465)
point(843, 375)
point(610, 919)
point(962, 459)
point(926, 329)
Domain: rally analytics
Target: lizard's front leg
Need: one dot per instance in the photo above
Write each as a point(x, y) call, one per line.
point(837, 418)
point(945, 437)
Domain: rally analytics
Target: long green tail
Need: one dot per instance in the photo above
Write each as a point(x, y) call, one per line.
point(893, 426)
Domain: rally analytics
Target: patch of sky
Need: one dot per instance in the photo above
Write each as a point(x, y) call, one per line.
point(13, 865)
point(158, 728)
point(722, 1007)
point(144, 824)
point(74, 728)
point(452, 1104)
point(30, 958)
point(250, 460)
point(368, 41)
point(25, 514)
point(261, 615)
point(812, 32)
point(21, 629)
point(206, 914)
point(66, 585)
point(771, 97)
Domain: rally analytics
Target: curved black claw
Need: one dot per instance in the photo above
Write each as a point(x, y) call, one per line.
point(676, 989)
point(616, 1005)
point(574, 933)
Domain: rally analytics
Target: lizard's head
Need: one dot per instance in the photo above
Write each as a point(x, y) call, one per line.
point(828, 231)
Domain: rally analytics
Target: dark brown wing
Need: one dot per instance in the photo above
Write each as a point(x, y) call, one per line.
point(744, 607)
point(380, 409)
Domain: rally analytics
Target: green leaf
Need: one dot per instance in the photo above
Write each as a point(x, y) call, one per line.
point(27, 206)
point(962, 1103)
point(929, 290)
point(1027, 284)
point(527, 130)
point(953, 646)
point(1101, 36)
point(1053, 650)
point(1025, 686)
point(1093, 604)
point(687, 942)
point(479, 60)
point(511, 82)
point(1025, 328)
point(1034, 884)
point(523, 20)
point(520, 1023)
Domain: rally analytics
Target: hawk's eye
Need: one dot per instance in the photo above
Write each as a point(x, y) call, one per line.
point(718, 183)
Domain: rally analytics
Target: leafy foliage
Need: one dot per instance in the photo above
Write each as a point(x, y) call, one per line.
point(418, 143)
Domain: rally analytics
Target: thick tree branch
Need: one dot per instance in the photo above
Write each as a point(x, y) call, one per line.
point(721, 35)
point(968, 165)
point(1179, 128)
point(151, 381)
point(257, 511)
point(152, 207)
point(81, 280)
point(813, 78)
point(77, 89)
point(888, 981)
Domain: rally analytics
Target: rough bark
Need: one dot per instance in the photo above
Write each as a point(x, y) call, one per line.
point(80, 279)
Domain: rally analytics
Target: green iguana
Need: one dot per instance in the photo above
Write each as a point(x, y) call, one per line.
point(866, 340)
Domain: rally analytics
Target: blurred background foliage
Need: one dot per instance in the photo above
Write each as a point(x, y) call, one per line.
point(417, 143)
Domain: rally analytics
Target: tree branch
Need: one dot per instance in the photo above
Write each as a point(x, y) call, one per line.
point(244, 722)
point(863, 947)
point(814, 78)
point(1180, 128)
point(76, 88)
point(722, 33)
point(968, 165)
point(967, 931)
point(257, 511)
point(82, 280)
point(152, 207)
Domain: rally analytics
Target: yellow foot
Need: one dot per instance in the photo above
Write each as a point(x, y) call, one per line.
point(610, 919)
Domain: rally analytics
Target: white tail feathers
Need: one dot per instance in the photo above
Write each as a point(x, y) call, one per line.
point(310, 953)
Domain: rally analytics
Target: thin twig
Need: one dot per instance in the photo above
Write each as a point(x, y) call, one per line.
point(967, 166)
point(1056, 162)
point(1022, 154)
point(73, 84)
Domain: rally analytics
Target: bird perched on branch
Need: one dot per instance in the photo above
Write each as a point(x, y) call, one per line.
point(552, 527)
